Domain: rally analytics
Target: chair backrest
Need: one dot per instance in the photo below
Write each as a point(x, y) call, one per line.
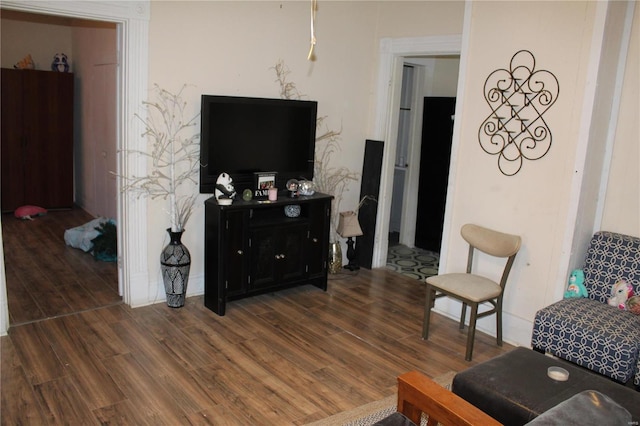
point(611, 257)
point(491, 242)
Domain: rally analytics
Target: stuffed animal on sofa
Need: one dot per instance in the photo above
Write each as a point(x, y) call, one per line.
point(633, 305)
point(620, 293)
point(576, 286)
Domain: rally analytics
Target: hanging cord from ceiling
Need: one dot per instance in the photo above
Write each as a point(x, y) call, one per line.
point(311, 56)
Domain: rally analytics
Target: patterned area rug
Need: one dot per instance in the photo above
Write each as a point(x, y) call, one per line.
point(369, 414)
point(413, 262)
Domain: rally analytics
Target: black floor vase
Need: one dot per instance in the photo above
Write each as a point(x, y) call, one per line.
point(175, 262)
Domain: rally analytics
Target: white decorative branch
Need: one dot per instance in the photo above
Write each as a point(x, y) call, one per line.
point(174, 157)
point(327, 179)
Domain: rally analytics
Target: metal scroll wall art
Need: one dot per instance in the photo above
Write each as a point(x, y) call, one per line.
point(519, 97)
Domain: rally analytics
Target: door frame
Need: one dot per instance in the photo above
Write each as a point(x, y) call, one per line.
point(132, 22)
point(394, 52)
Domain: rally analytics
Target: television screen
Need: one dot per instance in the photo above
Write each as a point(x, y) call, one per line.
point(242, 136)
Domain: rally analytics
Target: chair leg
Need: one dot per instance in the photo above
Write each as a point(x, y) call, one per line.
point(463, 315)
point(472, 330)
point(499, 322)
point(427, 312)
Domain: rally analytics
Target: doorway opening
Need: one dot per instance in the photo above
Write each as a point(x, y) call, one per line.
point(393, 55)
point(46, 277)
point(132, 22)
point(425, 114)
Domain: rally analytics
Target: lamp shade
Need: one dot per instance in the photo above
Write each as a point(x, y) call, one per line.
point(348, 225)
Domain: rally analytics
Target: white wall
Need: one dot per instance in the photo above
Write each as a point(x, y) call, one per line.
point(41, 37)
point(442, 76)
point(534, 202)
point(622, 202)
point(96, 63)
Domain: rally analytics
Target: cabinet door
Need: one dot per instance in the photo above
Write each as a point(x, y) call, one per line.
point(319, 216)
point(236, 244)
point(48, 129)
point(277, 255)
point(12, 141)
point(291, 263)
point(263, 258)
point(37, 139)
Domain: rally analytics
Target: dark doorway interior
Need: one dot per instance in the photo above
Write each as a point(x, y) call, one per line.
point(437, 131)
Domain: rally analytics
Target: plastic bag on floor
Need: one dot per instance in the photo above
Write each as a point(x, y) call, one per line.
point(80, 237)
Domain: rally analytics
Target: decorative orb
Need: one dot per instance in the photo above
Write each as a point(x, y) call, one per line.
point(292, 210)
point(247, 195)
point(292, 185)
point(306, 187)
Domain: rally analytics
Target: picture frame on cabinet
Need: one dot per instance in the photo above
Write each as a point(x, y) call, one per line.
point(264, 181)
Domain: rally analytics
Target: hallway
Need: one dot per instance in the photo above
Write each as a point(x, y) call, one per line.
point(46, 278)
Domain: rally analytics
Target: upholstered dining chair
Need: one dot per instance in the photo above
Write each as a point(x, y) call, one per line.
point(472, 289)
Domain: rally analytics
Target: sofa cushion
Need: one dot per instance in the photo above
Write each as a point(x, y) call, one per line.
point(589, 406)
point(594, 335)
point(610, 258)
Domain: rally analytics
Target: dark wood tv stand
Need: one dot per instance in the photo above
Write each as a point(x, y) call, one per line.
point(252, 247)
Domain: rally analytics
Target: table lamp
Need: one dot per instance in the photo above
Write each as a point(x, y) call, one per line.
point(349, 227)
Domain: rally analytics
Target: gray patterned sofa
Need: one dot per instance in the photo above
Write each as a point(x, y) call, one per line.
point(589, 332)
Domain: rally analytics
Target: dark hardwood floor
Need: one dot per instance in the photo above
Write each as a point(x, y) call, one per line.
point(45, 277)
point(286, 358)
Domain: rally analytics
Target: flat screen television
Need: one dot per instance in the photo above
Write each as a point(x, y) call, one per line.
point(243, 136)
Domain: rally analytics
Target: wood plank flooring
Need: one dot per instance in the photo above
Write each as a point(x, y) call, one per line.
point(286, 358)
point(45, 277)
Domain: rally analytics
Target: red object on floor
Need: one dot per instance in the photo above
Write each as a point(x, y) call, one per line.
point(27, 212)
